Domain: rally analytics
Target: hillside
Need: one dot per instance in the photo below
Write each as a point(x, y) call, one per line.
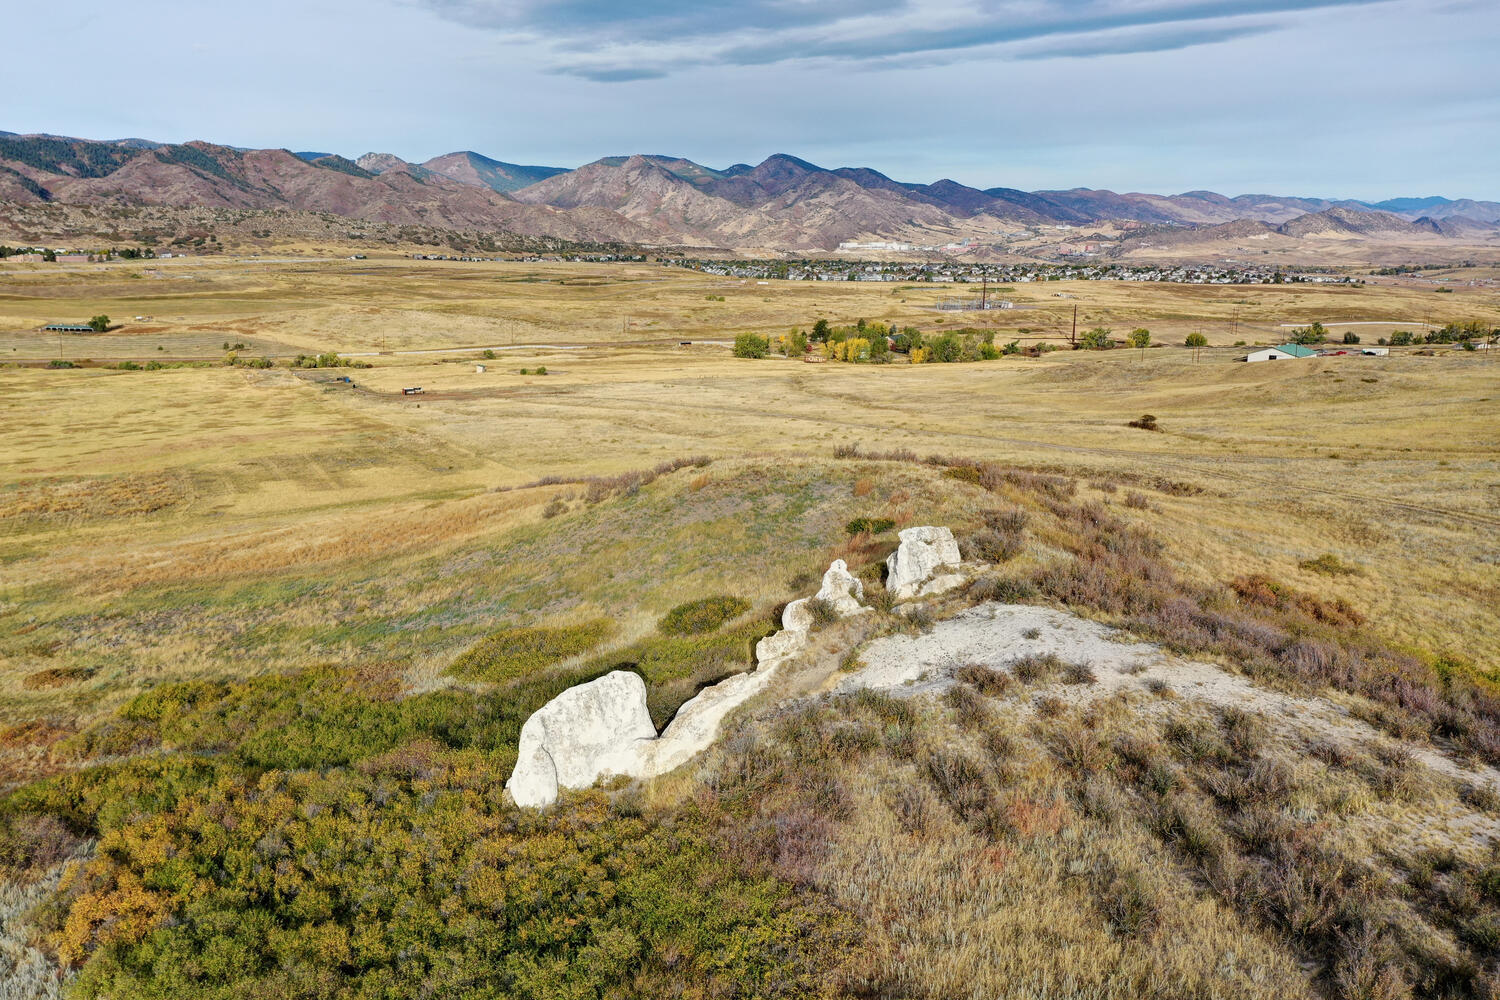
point(472, 168)
point(783, 204)
point(260, 749)
point(205, 175)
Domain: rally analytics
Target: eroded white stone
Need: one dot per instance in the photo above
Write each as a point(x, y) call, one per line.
point(588, 731)
point(913, 566)
point(603, 728)
point(841, 590)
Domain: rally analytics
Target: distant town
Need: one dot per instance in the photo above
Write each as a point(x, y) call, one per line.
point(976, 273)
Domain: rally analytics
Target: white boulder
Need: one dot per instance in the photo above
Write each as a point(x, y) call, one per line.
point(589, 730)
point(603, 727)
point(912, 570)
point(841, 590)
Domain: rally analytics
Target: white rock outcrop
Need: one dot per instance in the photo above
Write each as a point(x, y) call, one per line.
point(603, 728)
point(587, 731)
point(912, 570)
point(841, 590)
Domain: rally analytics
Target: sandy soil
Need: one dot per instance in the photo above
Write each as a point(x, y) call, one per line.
point(997, 635)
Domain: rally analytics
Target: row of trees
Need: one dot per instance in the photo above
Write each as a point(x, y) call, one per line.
point(1101, 338)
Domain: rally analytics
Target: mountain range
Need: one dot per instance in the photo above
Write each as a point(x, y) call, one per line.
point(783, 203)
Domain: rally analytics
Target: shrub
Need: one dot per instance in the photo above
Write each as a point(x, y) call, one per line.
point(1079, 673)
point(1036, 668)
point(1145, 422)
point(960, 781)
point(1330, 565)
point(869, 526)
point(1136, 501)
point(1097, 339)
point(704, 615)
point(541, 370)
point(823, 612)
point(984, 679)
point(1483, 798)
point(1005, 590)
point(991, 546)
point(751, 345)
point(516, 652)
point(556, 506)
point(968, 708)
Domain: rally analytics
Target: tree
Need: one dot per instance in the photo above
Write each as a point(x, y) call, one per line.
point(820, 331)
point(99, 323)
point(1097, 339)
point(1315, 334)
point(1351, 338)
point(751, 345)
point(1140, 337)
point(1196, 341)
point(49, 256)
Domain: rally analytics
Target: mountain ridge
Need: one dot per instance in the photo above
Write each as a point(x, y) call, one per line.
point(784, 202)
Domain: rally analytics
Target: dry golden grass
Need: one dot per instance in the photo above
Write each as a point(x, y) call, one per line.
point(234, 520)
point(281, 307)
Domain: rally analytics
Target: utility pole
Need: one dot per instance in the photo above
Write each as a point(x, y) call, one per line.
point(1073, 340)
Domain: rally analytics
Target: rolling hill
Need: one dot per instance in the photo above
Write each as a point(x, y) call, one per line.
point(783, 203)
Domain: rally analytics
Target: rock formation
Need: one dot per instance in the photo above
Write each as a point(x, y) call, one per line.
point(602, 727)
point(841, 590)
point(912, 570)
point(588, 730)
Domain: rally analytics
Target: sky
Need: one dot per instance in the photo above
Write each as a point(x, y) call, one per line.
point(1323, 98)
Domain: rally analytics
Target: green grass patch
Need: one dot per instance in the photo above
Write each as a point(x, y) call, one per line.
point(708, 614)
point(1330, 565)
point(677, 667)
point(516, 652)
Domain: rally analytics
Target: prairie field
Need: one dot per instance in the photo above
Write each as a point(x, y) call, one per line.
point(190, 307)
point(208, 564)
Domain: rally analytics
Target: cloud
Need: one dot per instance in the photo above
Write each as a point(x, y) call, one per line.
point(607, 41)
point(1170, 40)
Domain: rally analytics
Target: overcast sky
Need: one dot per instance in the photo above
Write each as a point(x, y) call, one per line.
point(1339, 98)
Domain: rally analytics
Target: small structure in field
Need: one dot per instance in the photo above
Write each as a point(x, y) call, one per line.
point(415, 390)
point(479, 369)
point(68, 328)
point(1281, 352)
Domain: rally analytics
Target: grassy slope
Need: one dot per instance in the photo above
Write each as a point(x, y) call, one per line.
point(321, 558)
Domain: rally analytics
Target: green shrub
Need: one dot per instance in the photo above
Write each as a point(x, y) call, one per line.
point(676, 667)
point(515, 652)
point(1330, 565)
point(869, 525)
point(707, 614)
point(751, 345)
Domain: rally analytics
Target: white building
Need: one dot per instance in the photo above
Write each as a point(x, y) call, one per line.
point(1285, 352)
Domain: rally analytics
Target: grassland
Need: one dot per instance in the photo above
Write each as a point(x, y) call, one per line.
point(197, 562)
point(282, 307)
